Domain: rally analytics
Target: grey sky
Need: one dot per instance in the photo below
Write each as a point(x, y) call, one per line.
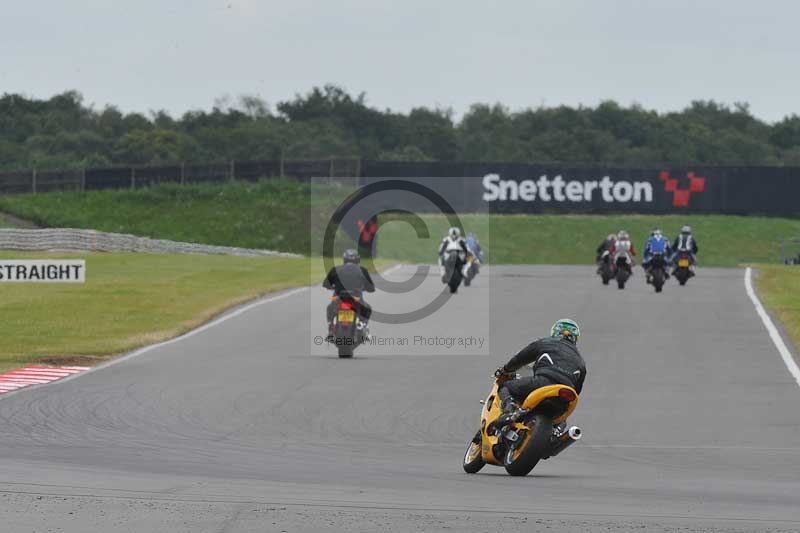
point(179, 54)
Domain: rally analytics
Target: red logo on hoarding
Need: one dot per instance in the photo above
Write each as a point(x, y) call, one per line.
point(680, 197)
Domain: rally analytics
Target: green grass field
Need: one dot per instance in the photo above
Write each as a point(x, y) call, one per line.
point(130, 300)
point(562, 239)
point(272, 215)
point(779, 289)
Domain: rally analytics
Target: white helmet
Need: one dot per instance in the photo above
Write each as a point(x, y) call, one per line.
point(454, 233)
point(686, 229)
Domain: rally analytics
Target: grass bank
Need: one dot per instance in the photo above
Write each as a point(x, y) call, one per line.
point(272, 215)
point(130, 300)
point(779, 289)
point(562, 239)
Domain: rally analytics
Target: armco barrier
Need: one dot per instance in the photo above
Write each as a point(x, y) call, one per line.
point(81, 240)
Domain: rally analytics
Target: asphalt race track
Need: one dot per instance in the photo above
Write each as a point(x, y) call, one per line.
point(691, 420)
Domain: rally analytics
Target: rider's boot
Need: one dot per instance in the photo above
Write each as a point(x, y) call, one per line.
point(510, 408)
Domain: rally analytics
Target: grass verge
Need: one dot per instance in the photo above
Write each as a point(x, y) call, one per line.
point(272, 215)
point(779, 289)
point(131, 300)
point(572, 239)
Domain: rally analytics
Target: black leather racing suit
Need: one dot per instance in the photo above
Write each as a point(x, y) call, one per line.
point(349, 281)
point(556, 361)
point(684, 242)
point(605, 246)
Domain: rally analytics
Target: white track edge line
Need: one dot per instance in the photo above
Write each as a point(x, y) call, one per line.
point(774, 334)
point(219, 320)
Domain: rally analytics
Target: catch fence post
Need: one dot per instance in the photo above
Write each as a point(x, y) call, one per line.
point(183, 172)
point(83, 179)
point(33, 181)
point(133, 177)
point(281, 164)
point(233, 169)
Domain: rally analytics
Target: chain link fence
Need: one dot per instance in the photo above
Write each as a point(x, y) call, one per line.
point(346, 171)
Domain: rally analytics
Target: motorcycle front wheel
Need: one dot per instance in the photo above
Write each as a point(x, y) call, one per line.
point(473, 461)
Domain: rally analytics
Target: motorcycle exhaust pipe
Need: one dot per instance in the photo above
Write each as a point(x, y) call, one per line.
point(565, 440)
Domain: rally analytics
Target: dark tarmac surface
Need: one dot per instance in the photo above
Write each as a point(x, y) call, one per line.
point(691, 421)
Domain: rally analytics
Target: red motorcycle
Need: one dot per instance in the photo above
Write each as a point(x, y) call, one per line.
point(349, 329)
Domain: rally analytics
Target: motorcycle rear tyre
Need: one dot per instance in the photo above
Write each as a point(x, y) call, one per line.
point(658, 280)
point(535, 448)
point(345, 352)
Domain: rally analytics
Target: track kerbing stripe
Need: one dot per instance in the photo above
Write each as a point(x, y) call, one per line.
point(774, 334)
point(36, 375)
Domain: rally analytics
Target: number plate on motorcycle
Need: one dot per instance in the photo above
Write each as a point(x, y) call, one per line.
point(347, 315)
point(683, 262)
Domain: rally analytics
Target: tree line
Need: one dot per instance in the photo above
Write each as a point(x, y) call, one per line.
point(63, 132)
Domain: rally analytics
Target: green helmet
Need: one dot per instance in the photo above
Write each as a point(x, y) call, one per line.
point(566, 328)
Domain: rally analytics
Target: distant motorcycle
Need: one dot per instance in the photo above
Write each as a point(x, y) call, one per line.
point(349, 330)
point(452, 274)
point(658, 271)
point(537, 431)
point(471, 269)
point(622, 268)
point(605, 268)
point(683, 269)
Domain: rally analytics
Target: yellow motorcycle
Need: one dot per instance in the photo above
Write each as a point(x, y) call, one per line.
point(536, 431)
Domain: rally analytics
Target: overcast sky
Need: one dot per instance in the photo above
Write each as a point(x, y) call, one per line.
point(177, 55)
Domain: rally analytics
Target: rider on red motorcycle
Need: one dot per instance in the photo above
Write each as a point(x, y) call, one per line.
point(347, 281)
point(622, 245)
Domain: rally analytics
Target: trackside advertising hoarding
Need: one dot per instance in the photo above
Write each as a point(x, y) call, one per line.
point(506, 188)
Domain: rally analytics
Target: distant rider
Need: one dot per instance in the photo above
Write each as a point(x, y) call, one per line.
point(657, 243)
point(453, 242)
point(556, 360)
point(622, 246)
point(604, 249)
point(348, 281)
point(685, 242)
point(474, 246)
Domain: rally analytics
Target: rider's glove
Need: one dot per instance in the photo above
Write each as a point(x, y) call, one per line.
point(501, 372)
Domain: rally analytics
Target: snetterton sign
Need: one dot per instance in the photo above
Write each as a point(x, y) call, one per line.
point(559, 189)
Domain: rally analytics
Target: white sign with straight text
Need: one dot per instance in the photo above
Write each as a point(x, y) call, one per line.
point(43, 271)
